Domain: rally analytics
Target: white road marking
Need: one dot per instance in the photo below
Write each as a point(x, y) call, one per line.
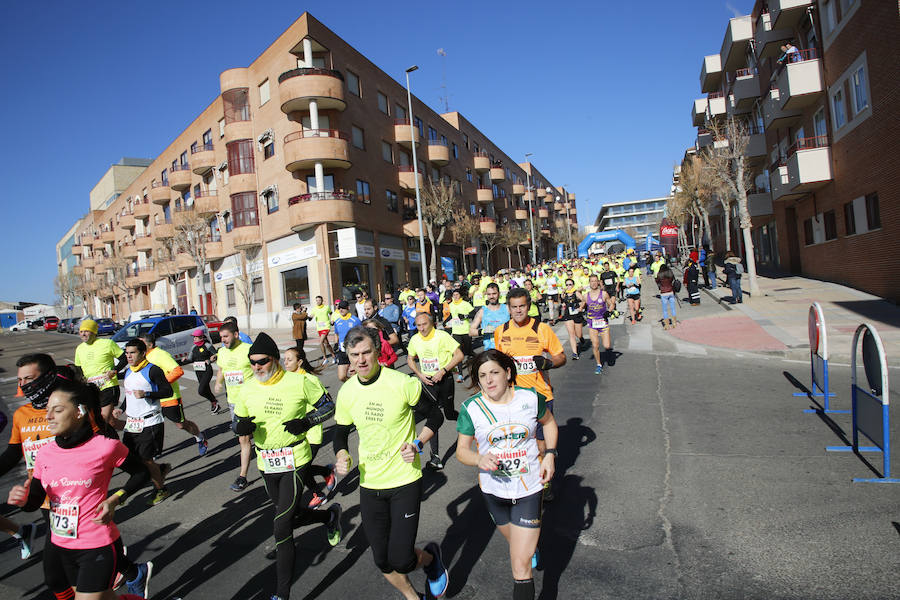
point(690, 349)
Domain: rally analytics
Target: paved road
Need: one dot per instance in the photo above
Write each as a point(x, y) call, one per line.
point(683, 473)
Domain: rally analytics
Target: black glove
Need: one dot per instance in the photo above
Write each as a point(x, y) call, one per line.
point(542, 363)
point(245, 426)
point(297, 426)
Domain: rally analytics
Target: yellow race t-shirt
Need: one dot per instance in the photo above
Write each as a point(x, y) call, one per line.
point(434, 352)
point(321, 314)
point(235, 365)
point(164, 361)
point(459, 317)
point(96, 359)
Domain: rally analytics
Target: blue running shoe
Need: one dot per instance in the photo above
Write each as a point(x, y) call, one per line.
point(535, 558)
point(598, 370)
point(202, 445)
point(140, 585)
point(26, 540)
point(436, 574)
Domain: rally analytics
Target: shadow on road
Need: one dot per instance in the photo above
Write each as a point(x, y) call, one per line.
point(467, 538)
point(572, 512)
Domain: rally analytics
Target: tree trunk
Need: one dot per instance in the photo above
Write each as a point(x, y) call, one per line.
point(519, 254)
point(727, 210)
point(509, 258)
point(704, 214)
point(746, 224)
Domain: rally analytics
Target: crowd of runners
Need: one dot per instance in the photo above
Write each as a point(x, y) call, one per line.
point(490, 334)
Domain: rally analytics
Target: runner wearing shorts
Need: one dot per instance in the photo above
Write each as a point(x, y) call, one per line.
point(491, 316)
point(321, 312)
point(99, 359)
point(596, 316)
point(234, 370)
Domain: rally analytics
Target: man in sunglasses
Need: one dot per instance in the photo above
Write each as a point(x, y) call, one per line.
point(390, 312)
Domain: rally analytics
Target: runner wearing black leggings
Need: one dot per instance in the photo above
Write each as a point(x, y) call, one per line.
point(203, 355)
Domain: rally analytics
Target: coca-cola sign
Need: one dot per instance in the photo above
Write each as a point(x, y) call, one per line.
point(668, 230)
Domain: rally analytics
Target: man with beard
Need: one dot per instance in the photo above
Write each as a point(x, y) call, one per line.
point(491, 316)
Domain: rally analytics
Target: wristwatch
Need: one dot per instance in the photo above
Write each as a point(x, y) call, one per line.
point(418, 445)
point(552, 451)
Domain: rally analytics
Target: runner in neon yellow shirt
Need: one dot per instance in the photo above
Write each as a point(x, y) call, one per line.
point(321, 312)
point(99, 360)
point(234, 371)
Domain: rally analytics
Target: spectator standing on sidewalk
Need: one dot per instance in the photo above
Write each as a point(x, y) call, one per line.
point(691, 276)
point(711, 267)
point(733, 270)
point(665, 279)
point(702, 262)
point(298, 321)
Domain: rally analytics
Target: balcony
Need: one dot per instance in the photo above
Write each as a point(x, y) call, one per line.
point(207, 203)
point(498, 174)
point(482, 162)
point(734, 46)
point(545, 230)
point(484, 194)
point(309, 210)
point(87, 240)
point(559, 206)
point(184, 261)
point(745, 88)
point(180, 177)
point(756, 144)
point(303, 149)
point(541, 192)
point(214, 250)
point(203, 158)
point(148, 275)
point(528, 196)
point(711, 73)
point(769, 39)
point(801, 83)
point(133, 280)
point(716, 106)
point(411, 227)
point(704, 138)
point(298, 87)
point(164, 231)
point(521, 214)
point(518, 189)
point(786, 14)
point(488, 224)
point(126, 222)
point(76, 249)
point(141, 210)
point(774, 116)
point(698, 111)
point(404, 135)
point(573, 210)
point(809, 163)
point(108, 237)
point(543, 212)
point(160, 193)
point(438, 152)
point(246, 237)
point(128, 251)
point(143, 241)
point(407, 177)
point(759, 203)
point(88, 262)
point(78, 270)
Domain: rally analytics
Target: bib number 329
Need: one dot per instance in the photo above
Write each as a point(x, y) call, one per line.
point(64, 520)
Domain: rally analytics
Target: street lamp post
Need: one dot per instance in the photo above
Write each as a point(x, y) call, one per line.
point(412, 139)
point(568, 222)
point(530, 207)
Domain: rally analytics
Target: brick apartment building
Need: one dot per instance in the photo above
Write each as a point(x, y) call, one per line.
point(823, 123)
point(310, 138)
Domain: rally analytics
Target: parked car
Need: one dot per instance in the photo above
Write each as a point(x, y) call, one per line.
point(212, 324)
point(20, 326)
point(37, 323)
point(145, 314)
point(174, 333)
point(63, 325)
point(74, 324)
point(51, 323)
point(106, 326)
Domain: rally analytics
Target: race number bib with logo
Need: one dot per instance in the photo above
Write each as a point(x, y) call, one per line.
point(489, 330)
point(30, 449)
point(511, 463)
point(64, 520)
point(199, 366)
point(430, 365)
point(234, 377)
point(134, 424)
point(608, 282)
point(278, 460)
point(99, 380)
point(454, 323)
point(598, 323)
point(525, 365)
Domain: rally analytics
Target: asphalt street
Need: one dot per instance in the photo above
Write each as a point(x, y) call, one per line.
point(684, 472)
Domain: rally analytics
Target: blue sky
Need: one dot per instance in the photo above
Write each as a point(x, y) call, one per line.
point(599, 92)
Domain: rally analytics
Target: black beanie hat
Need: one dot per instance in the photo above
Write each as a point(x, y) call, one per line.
point(265, 345)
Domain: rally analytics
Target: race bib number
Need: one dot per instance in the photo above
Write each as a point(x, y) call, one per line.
point(430, 365)
point(633, 290)
point(489, 330)
point(30, 449)
point(279, 460)
point(199, 366)
point(99, 380)
point(511, 463)
point(134, 424)
point(608, 282)
point(454, 322)
point(525, 365)
point(234, 377)
point(64, 520)
point(598, 323)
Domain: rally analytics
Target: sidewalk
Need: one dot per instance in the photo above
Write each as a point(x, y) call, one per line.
point(776, 320)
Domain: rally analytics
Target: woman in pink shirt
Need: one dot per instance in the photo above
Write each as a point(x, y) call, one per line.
point(74, 472)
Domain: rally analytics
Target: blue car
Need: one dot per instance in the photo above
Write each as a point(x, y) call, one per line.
point(106, 327)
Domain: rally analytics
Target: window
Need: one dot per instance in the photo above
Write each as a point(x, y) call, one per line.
point(387, 151)
point(295, 283)
point(229, 294)
point(164, 177)
point(873, 214)
point(860, 97)
point(269, 150)
point(475, 147)
point(383, 104)
point(207, 138)
point(469, 175)
point(229, 222)
point(432, 133)
point(808, 232)
point(236, 104)
point(174, 164)
point(826, 9)
point(240, 157)
point(392, 204)
point(196, 190)
point(193, 147)
point(271, 202)
point(830, 225)
point(399, 112)
point(264, 92)
point(837, 102)
point(221, 128)
point(849, 219)
point(819, 123)
point(455, 151)
point(353, 83)
point(435, 174)
point(362, 191)
point(256, 290)
point(420, 126)
point(243, 209)
point(359, 140)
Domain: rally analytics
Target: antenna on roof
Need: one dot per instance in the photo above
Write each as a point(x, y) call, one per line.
point(445, 98)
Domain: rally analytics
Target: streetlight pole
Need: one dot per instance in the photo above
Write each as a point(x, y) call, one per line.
point(568, 222)
point(412, 139)
point(530, 207)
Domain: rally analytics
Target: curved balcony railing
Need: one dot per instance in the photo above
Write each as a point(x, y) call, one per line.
point(300, 71)
point(203, 148)
point(316, 133)
point(317, 196)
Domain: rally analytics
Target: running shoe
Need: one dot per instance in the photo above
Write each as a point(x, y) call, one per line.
point(535, 559)
point(316, 500)
point(140, 585)
point(119, 581)
point(202, 446)
point(334, 529)
point(436, 573)
point(214, 408)
point(274, 597)
point(239, 484)
point(26, 540)
point(459, 378)
point(598, 370)
point(574, 356)
point(160, 495)
point(330, 481)
point(435, 462)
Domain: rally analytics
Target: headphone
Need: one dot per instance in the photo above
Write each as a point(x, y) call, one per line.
point(81, 412)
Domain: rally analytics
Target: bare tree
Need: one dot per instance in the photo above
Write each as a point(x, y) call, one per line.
point(695, 192)
point(490, 241)
point(510, 236)
point(245, 275)
point(728, 163)
point(68, 287)
point(440, 207)
point(120, 268)
point(191, 236)
point(465, 228)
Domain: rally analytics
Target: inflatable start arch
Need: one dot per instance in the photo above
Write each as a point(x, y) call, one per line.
point(605, 236)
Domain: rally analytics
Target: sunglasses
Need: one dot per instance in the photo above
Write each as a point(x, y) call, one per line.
point(260, 362)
